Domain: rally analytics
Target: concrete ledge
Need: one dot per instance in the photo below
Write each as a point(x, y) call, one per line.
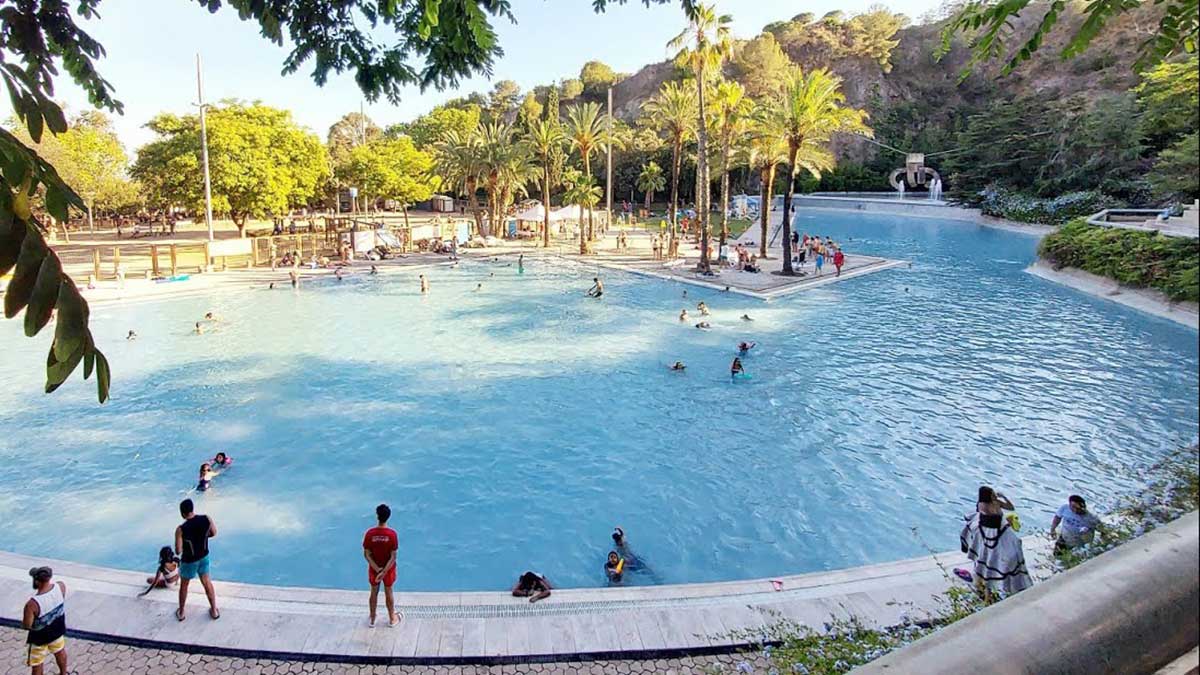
point(1145, 300)
point(489, 628)
point(1130, 610)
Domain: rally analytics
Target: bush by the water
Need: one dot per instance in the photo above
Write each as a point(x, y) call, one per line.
point(1143, 259)
point(1026, 209)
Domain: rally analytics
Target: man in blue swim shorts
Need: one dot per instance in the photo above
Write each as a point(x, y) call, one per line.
point(191, 545)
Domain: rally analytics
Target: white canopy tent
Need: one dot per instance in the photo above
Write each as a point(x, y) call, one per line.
point(535, 213)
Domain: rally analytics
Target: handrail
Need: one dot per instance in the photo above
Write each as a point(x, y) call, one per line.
point(1130, 610)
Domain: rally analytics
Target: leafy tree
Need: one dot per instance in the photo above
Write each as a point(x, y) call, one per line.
point(353, 129)
point(90, 156)
point(505, 167)
point(1175, 170)
point(427, 130)
point(261, 163)
point(651, 180)
point(390, 169)
point(546, 139)
point(807, 112)
point(503, 99)
point(1169, 95)
point(587, 132)
point(571, 88)
point(530, 111)
point(596, 78)
point(704, 45)
point(760, 65)
point(672, 110)
point(581, 190)
point(872, 35)
point(988, 23)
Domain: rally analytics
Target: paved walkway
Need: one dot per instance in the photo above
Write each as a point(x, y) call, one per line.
point(649, 622)
point(88, 657)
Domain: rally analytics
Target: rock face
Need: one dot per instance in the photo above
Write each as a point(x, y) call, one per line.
point(916, 77)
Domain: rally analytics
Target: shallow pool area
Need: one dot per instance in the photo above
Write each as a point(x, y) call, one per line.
point(512, 427)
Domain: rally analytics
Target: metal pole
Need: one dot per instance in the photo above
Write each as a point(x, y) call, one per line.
point(608, 181)
point(204, 152)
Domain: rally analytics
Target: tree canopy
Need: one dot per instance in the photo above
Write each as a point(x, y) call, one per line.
point(432, 127)
point(597, 77)
point(390, 169)
point(351, 130)
point(261, 163)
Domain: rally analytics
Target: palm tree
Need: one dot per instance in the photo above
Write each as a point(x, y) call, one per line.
point(587, 131)
point(734, 108)
point(545, 139)
point(582, 190)
point(673, 111)
point(458, 159)
point(651, 180)
point(805, 114)
point(505, 167)
point(704, 45)
point(763, 154)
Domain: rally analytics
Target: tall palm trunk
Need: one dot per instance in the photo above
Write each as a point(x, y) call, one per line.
point(764, 206)
point(587, 170)
point(673, 216)
point(702, 182)
point(473, 202)
point(793, 150)
point(725, 185)
point(546, 203)
point(649, 198)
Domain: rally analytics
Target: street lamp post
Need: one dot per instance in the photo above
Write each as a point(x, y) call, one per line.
point(204, 152)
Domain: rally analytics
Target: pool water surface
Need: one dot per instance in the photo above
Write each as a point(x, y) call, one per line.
point(513, 427)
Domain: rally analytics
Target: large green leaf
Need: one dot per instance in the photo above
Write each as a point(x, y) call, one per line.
point(45, 295)
point(29, 262)
point(57, 371)
point(103, 377)
point(71, 329)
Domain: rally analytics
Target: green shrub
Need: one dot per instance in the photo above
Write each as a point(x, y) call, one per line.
point(1133, 258)
point(1002, 203)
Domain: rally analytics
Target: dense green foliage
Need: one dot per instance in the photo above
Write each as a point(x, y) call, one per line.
point(262, 164)
point(1142, 259)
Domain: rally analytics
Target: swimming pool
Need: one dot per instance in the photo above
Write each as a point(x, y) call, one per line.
point(512, 428)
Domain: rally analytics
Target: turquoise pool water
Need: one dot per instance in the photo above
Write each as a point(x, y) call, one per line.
point(512, 428)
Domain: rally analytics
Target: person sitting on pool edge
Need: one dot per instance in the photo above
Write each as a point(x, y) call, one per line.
point(735, 368)
point(678, 365)
point(533, 586)
point(597, 289)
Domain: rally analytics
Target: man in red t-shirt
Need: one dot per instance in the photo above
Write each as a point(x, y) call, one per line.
point(379, 548)
point(839, 259)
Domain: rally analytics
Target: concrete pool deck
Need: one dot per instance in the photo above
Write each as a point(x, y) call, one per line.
point(482, 627)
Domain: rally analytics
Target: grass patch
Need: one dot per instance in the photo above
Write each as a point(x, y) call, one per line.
point(1133, 258)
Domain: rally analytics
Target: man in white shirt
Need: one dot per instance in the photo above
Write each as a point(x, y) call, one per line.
point(1079, 525)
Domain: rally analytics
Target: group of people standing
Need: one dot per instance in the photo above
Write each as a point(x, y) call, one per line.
point(805, 248)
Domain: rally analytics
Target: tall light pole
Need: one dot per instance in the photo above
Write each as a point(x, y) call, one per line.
point(204, 151)
point(608, 181)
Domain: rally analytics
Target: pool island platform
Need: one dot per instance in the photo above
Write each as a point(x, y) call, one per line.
point(637, 622)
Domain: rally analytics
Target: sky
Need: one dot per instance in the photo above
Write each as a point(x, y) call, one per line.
point(152, 45)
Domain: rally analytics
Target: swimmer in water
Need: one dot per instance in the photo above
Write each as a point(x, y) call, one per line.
point(424, 284)
point(221, 460)
point(704, 325)
point(206, 477)
point(338, 273)
point(745, 347)
point(271, 286)
point(199, 329)
point(294, 277)
point(735, 368)
point(703, 309)
point(374, 270)
point(678, 365)
point(683, 316)
point(209, 316)
point(614, 567)
point(685, 292)
point(597, 288)
point(478, 287)
point(521, 264)
point(746, 317)
point(132, 336)
point(491, 274)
